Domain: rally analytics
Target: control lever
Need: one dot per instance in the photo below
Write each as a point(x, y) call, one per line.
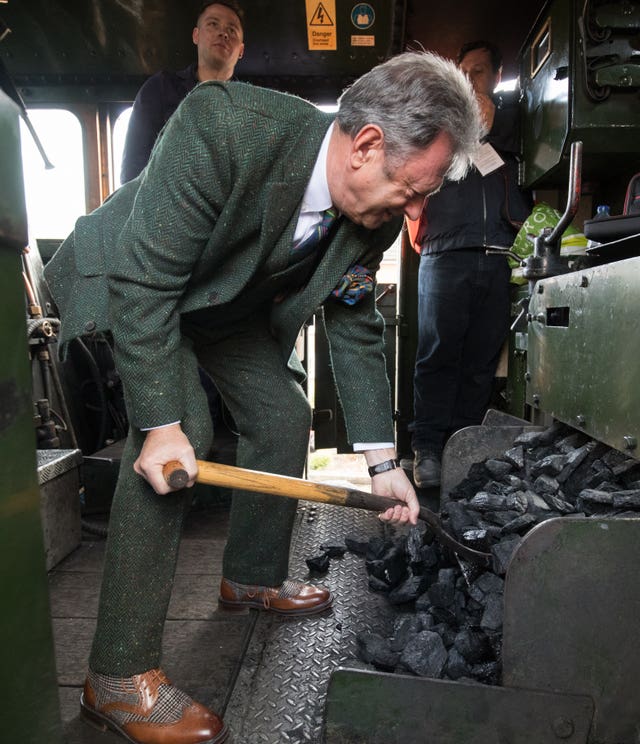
point(502, 251)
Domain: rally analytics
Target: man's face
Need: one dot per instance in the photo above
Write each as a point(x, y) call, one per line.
point(218, 37)
point(375, 192)
point(476, 65)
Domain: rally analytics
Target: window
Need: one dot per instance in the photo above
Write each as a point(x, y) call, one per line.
point(55, 197)
point(119, 134)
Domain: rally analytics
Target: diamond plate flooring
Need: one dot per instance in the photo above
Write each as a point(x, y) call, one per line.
point(267, 675)
point(280, 691)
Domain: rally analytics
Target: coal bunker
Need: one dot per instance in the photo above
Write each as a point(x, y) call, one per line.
point(449, 613)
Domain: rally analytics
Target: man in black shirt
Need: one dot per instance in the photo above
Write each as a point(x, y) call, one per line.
point(463, 293)
point(218, 35)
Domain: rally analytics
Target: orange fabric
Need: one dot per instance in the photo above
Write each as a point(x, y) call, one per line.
point(416, 230)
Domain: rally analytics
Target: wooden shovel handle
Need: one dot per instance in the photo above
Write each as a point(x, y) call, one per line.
point(228, 476)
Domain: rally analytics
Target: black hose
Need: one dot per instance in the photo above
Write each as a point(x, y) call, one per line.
point(93, 528)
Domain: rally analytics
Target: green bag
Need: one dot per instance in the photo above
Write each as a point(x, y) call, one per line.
point(543, 215)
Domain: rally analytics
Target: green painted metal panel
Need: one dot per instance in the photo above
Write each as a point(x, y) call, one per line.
point(30, 707)
point(376, 708)
point(584, 351)
point(571, 618)
point(560, 64)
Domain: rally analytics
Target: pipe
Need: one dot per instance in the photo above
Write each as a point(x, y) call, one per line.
point(573, 196)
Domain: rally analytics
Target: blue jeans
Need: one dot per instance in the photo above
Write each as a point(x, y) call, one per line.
point(463, 321)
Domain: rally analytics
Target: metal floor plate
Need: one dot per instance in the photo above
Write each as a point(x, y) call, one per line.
point(280, 691)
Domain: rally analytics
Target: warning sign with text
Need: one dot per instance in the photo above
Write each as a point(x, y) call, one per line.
point(321, 25)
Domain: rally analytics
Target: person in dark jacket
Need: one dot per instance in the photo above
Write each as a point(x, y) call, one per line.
point(218, 35)
point(463, 294)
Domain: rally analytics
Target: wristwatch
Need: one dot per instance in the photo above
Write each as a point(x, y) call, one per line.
point(382, 467)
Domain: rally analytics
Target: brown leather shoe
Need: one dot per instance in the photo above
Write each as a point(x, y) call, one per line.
point(290, 598)
point(148, 709)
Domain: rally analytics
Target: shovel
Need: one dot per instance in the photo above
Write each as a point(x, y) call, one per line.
point(227, 476)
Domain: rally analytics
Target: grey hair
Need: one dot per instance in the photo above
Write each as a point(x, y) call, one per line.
point(413, 97)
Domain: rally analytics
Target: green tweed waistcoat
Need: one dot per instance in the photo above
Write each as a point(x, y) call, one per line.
point(216, 208)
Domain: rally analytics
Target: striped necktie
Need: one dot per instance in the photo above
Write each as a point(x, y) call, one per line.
point(316, 236)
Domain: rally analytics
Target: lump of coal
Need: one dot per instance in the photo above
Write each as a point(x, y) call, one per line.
point(550, 465)
point(452, 613)
point(502, 553)
point(460, 517)
point(515, 456)
point(408, 591)
point(520, 524)
point(377, 585)
point(334, 550)
point(476, 478)
point(404, 629)
point(376, 650)
point(473, 645)
point(390, 566)
point(415, 543)
point(492, 616)
point(546, 484)
point(442, 593)
point(456, 666)
point(425, 654)
point(318, 563)
point(626, 499)
point(487, 583)
point(498, 468)
point(356, 545)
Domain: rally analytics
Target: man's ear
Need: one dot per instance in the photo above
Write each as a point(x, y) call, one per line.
point(367, 144)
point(195, 34)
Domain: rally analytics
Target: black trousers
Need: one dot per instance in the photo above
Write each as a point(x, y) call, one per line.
point(463, 321)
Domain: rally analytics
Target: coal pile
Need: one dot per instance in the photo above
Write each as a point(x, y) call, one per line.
point(449, 622)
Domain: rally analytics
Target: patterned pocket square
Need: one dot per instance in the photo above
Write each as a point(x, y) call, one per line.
point(354, 285)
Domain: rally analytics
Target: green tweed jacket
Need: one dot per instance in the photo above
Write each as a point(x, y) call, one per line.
point(215, 211)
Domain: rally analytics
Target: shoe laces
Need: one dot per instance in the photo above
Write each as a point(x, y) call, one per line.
point(113, 691)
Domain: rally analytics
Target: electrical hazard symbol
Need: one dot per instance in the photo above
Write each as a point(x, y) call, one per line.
point(321, 17)
point(321, 25)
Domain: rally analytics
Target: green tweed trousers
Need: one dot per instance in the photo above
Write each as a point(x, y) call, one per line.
point(273, 418)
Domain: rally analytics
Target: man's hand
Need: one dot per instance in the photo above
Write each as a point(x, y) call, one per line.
point(393, 483)
point(160, 447)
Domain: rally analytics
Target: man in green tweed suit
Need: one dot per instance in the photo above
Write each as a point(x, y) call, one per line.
point(200, 260)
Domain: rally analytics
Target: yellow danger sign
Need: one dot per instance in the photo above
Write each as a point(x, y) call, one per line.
point(321, 25)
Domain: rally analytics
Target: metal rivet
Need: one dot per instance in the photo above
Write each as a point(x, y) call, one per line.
point(536, 399)
point(527, 376)
point(563, 728)
point(630, 442)
point(90, 326)
point(580, 419)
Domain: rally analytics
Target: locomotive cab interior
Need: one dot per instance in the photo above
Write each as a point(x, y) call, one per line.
point(69, 72)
